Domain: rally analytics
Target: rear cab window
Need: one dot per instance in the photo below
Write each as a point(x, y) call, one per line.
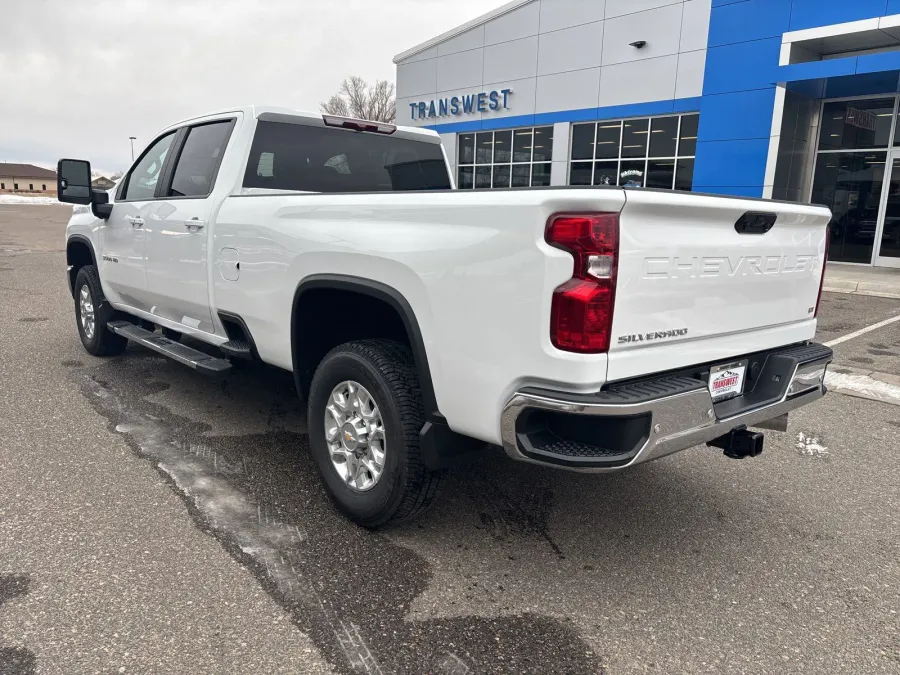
point(199, 159)
point(305, 158)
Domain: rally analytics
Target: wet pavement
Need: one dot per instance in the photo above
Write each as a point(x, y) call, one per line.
point(153, 520)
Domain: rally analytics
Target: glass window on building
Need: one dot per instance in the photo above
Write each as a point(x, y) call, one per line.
point(654, 152)
point(856, 125)
point(856, 176)
point(505, 158)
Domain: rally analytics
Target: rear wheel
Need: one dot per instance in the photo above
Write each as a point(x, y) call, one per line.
point(92, 313)
point(364, 417)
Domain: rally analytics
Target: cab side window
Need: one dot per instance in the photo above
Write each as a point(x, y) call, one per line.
point(199, 159)
point(144, 176)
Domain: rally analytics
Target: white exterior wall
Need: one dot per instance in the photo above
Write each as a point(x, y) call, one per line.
point(562, 55)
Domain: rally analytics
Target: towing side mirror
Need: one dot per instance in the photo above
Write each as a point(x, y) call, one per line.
point(73, 186)
point(73, 181)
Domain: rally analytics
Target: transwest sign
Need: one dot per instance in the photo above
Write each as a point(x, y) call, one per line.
point(468, 104)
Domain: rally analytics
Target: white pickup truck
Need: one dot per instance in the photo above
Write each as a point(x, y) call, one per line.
point(589, 329)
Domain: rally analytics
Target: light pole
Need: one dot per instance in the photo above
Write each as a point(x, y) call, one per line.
point(132, 139)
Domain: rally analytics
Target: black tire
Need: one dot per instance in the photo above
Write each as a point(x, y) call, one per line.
point(387, 370)
point(102, 342)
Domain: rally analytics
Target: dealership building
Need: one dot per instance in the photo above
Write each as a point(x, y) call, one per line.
point(784, 99)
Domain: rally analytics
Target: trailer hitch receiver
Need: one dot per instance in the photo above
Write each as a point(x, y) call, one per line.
point(739, 443)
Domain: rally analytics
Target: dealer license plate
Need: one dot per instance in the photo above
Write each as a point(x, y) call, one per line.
point(727, 381)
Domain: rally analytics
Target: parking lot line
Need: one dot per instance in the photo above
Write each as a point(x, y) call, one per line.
point(862, 331)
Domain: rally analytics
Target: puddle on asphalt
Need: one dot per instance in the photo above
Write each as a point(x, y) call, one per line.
point(348, 588)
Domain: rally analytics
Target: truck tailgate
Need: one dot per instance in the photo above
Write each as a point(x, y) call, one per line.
point(691, 288)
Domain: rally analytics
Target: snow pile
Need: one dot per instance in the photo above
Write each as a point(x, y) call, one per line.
point(864, 386)
point(27, 199)
point(810, 446)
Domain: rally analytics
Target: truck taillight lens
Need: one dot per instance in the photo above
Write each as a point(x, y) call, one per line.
point(824, 265)
point(582, 311)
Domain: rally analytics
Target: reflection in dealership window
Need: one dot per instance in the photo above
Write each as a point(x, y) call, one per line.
point(850, 184)
point(506, 158)
point(655, 152)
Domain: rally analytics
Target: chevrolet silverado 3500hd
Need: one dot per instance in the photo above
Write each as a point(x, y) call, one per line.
point(589, 329)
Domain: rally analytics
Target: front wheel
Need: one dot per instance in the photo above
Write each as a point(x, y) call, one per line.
point(364, 416)
point(92, 313)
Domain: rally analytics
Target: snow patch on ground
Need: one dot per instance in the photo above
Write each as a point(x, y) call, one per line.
point(863, 385)
point(206, 478)
point(27, 199)
point(810, 446)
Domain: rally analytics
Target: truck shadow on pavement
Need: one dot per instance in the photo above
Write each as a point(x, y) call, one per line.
point(15, 660)
point(510, 572)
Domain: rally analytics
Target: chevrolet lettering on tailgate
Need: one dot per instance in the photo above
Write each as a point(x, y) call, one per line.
point(721, 266)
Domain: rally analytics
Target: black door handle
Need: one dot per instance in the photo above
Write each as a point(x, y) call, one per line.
point(755, 222)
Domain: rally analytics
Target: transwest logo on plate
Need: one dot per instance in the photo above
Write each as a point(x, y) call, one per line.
point(725, 381)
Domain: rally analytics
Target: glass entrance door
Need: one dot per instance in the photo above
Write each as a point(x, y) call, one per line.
point(854, 142)
point(887, 235)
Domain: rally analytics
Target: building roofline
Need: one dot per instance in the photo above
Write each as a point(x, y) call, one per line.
point(453, 32)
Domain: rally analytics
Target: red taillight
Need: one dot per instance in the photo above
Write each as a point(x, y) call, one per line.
point(824, 265)
point(582, 311)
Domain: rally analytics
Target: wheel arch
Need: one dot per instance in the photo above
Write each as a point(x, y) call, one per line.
point(378, 291)
point(79, 253)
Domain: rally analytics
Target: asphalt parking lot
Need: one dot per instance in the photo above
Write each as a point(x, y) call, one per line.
point(152, 520)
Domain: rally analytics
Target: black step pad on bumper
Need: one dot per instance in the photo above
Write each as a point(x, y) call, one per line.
point(237, 349)
point(199, 361)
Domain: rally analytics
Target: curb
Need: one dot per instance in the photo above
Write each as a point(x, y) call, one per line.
point(861, 288)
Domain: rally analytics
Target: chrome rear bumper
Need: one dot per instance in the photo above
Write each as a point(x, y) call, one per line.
point(678, 412)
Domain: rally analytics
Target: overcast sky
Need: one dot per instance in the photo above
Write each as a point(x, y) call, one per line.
point(78, 77)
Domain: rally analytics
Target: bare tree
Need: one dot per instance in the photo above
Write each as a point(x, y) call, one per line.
point(356, 98)
point(117, 175)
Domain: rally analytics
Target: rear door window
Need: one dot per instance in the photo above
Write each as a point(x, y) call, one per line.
point(199, 159)
point(322, 159)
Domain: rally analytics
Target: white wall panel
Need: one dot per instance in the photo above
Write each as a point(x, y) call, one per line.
point(517, 24)
point(638, 81)
point(557, 14)
point(403, 112)
point(695, 25)
point(580, 59)
point(621, 7)
point(416, 78)
point(571, 49)
point(689, 80)
point(449, 143)
point(458, 71)
point(568, 91)
point(660, 28)
point(521, 100)
point(561, 133)
point(471, 39)
point(510, 60)
point(559, 171)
